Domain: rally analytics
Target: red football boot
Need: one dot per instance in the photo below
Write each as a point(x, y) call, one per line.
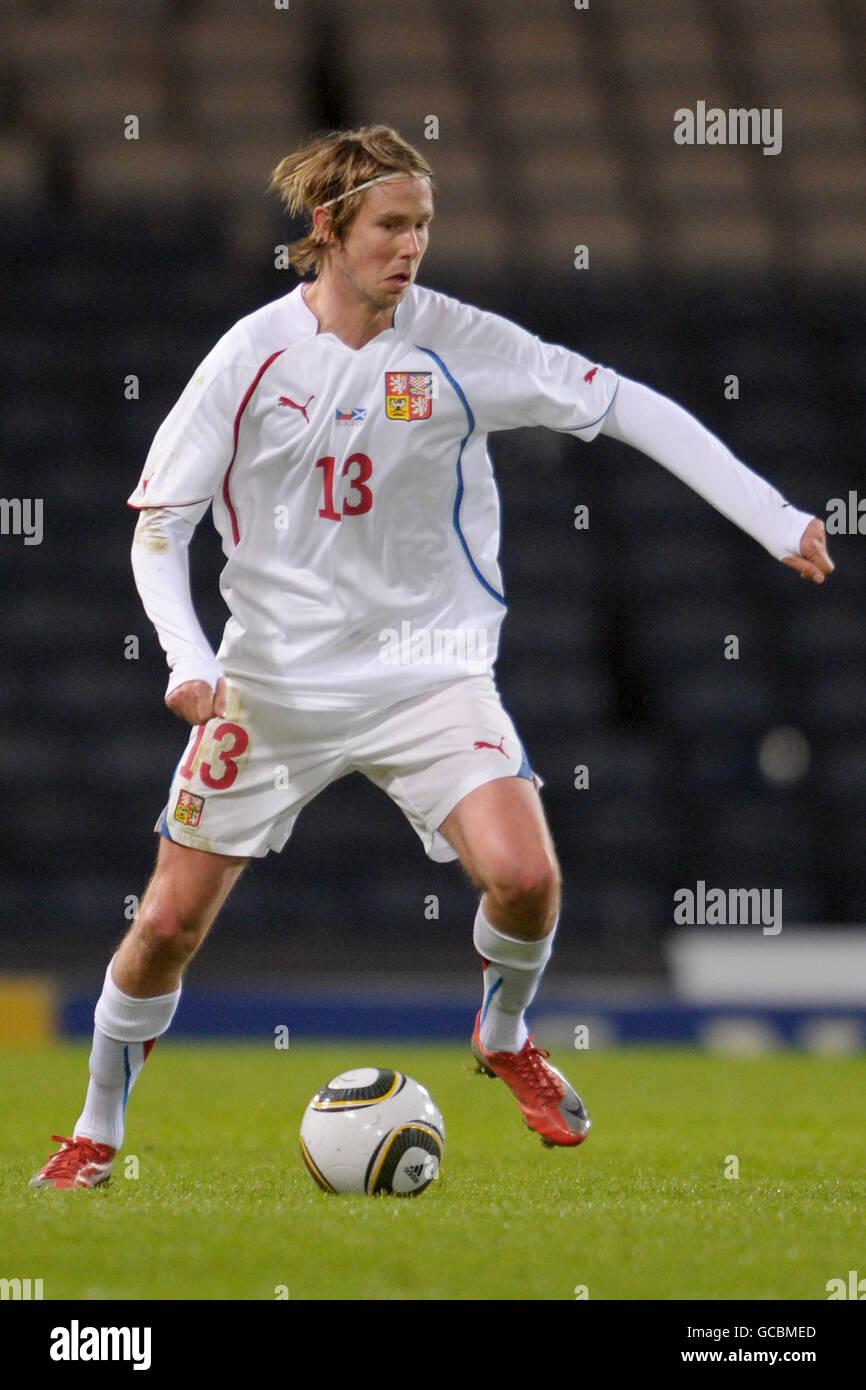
point(550, 1105)
point(79, 1163)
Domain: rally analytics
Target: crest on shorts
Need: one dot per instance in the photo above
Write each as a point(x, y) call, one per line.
point(189, 808)
point(408, 395)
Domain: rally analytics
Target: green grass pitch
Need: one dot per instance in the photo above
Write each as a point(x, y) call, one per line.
point(223, 1209)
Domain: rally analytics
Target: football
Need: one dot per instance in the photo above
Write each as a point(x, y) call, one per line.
point(373, 1131)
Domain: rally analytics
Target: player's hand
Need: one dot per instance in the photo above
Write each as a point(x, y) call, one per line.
point(813, 562)
point(196, 702)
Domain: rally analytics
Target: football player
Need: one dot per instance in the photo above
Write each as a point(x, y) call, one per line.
point(339, 436)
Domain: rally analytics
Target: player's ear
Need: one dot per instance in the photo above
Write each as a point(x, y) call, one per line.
point(321, 224)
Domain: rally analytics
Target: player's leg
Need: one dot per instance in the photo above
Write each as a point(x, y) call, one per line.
point(180, 904)
point(139, 997)
point(454, 763)
point(224, 807)
point(501, 836)
point(502, 839)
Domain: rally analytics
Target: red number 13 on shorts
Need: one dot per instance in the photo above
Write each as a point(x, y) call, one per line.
point(228, 756)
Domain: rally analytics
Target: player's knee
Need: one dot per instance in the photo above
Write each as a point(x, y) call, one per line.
point(528, 884)
point(169, 932)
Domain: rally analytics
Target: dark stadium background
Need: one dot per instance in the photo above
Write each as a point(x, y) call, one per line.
point(555, 130)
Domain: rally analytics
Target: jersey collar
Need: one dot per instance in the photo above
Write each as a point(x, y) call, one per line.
point(403, 316)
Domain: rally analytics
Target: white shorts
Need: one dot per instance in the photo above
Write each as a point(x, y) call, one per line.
point(244, 778)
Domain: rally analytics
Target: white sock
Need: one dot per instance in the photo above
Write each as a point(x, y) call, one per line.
point(124, 1032)
point(512, 973)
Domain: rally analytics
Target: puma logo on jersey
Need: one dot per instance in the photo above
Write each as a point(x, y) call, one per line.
point(479, 743)
point(284, 400)
point(590, 375)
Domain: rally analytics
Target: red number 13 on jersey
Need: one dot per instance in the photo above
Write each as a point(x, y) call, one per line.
point(363, 496)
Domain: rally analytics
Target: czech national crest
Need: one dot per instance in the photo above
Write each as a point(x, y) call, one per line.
point(408, 395)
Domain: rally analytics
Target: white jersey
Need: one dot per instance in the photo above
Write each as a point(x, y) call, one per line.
point(354, 493)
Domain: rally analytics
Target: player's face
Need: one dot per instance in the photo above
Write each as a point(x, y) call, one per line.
point(386, 240)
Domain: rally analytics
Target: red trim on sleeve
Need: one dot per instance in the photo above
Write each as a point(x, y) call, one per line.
point(236, 535)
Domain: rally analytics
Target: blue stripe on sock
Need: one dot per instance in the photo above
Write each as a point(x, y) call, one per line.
point(127, 1072)
point(490, 993)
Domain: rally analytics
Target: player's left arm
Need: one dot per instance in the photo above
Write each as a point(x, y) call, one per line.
point(663, 430)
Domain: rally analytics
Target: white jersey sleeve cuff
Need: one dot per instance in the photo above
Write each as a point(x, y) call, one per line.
point(200, 667)
point(797, 522)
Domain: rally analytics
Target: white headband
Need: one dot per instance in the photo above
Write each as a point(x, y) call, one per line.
point(369, 184)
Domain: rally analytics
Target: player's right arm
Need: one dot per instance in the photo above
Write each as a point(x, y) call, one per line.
point(160, 565)
point(187, 461)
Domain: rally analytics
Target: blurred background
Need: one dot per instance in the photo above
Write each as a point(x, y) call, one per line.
point(552, 129)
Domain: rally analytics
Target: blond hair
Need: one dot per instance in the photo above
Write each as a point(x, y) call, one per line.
point(329, 169)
